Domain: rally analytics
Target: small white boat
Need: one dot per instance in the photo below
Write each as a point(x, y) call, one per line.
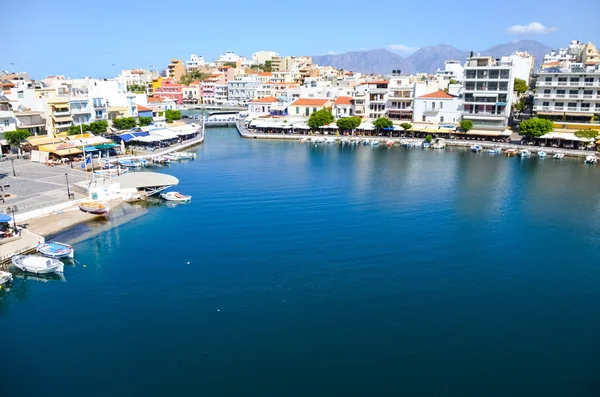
point(37, 264)
point(558, 156)
point(374, 143)
point(475, 148)
point(175, 196)
point(591, 159)
point(304, 140)
point(390, 142)
point(541, 154)
point(161, 160)
point(439, 145)
point(524, 153)
point(345, 140)
point(493, 151)
point(129, 163)
point(112, 171)
point(5, 277)
point(426, 145)
point(330, 140)
point(56, 250)
point(184, 155)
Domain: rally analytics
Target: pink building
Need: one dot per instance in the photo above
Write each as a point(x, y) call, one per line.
point(208, 87)
point(170, 90)
point(228, 73)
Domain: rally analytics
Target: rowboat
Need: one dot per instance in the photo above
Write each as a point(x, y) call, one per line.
point(37, 264)
point(5, 277)
point(56, 250)
point(129, 163)
point(93, 208)
point(176, 196)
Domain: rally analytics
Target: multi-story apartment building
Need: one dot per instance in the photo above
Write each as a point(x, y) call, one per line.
point(79, 103)
point(191, 93)
point(570, 94)
point(260, 57)
point(439, 107)
point(376, 98)
point(176, 69)
point(60, 114)
point(400, 98)
point(488, 87)
point(242, 89)
point(522, 65)
point(139, 77)
point(194, 63)
point(221, 93)
point(8, 120)
point(170, 90)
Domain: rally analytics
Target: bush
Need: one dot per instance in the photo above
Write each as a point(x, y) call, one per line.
point(98, 127)
point(144, 121)
point(429, 138)
point(586, 133)
point(172, 115)
point(320, 118)
point(466, 125)
point(125, 123)
point(536, 127)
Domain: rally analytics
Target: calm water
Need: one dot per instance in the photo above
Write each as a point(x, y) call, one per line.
point(320, 271)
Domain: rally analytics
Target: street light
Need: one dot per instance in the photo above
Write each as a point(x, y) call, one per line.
point(11, 211)
point(12, 161)
point(68, 189)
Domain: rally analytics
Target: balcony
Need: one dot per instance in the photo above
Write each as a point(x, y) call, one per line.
point(574, 96)
point(561, 96)
point(6, 113)
point(562, 83)
point(481, 100)
point(483, 115)
point(572, 109)
point(61, 113)
point(589, 84)
point(99, 105)
point(401, 110)
point(80, 110)
point(431, 111)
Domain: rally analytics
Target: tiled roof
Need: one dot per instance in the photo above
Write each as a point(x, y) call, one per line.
point(265, 74)
point(310, 102)
point(343, 100)
point(152, 99)
point(376, 82)
point(143, 108)
point(438, 94)
point(268, 99)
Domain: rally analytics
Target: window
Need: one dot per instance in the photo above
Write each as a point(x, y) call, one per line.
point(588, 92)
point(548, 79)
point(573, 92)
point(441, 105)
point(441, 119)
point(559, 104)
point(20, 94)
point(561, 92)
point(314, 109)
point(547, 91)
point(432, 105)
point(297, 110)
point(424, 118)
point(572, 104)
point(545, 103)
point(585, 106)
point(589, 79)
point(6, 122)
point(562, 79)
point(574, 79)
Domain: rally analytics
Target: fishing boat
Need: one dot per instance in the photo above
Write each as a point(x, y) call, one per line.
point(524, 153)
point(475, 148)
point(493, 151)
point(541, 154)
point(558, 156)
point(426, 145)
point(175, 196)
point(56, 250)
point(439, 145)
point(129, 163)
point(168, 158)
point(511, 152)
point(93, 208)
point(390, 142)
point(374, 143)
point(591, 159)
point(330, 140)
point(304, 140)
point(5, 277)
point(145, 163)
point(184, 155)
point(160, 160)
point(37, 264)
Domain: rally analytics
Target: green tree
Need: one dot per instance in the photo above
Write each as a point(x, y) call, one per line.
point(230, 64)
point(520, 106)
point(520, 86)
point(268, 66)
point(466, 125)
point(536, 127)
point(348, 123)
point(124, 123)
point(194, 75)
point(136, 88)
point(172, 115)
point(320, 118)
point(98, 127)
point(407, 127)
point(144, 121)
point(452, 81)
point(16, 137)
point(77, 129)
point(428, 138)
point(382, 122)
point(586, 134)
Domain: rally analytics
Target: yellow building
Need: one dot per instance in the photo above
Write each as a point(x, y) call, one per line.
point(176, 69)
point(60, 115)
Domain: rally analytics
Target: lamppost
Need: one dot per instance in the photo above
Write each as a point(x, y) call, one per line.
point(12, 162)
point(11, 211)
point(68, 189)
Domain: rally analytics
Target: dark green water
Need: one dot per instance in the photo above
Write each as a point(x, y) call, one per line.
point(321, 271)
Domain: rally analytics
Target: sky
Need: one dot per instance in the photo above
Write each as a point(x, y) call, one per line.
point(99, 39)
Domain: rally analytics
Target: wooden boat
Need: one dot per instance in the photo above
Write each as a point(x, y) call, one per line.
point(93, 208)
point(175, 196)
point(511, 152)
point(56, 250)
point(5, 277)
point(37, 264)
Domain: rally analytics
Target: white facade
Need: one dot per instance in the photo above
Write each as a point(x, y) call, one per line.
point(453, 69)
point(194, 62)
point(8, 122)
point(438, 108)
point(221, 93)
point(260, 57)
point(522, 65)
point(400, 98)
point(242, 89)
point(137, 76)
point(261, 107)
point(488, 87)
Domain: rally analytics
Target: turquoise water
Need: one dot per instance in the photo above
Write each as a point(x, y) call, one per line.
point(328, 271)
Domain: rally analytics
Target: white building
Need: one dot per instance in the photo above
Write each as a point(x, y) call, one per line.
point(8, 121)
point(343, 107)
point(260, 57)
point(221, 93)
point(242, 89)
point(569, 94)
point(137, 76)
point(522, 63)
point(453, 70)
point(438, 108)
point(488, 87)
point(400, 98)
point(194, 62)
point(262, 106)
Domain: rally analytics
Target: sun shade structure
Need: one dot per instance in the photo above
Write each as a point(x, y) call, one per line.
point(150, 182)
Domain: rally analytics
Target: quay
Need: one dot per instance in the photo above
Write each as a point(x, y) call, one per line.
point(245, 133)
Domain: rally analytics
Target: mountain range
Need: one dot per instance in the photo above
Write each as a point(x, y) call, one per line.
point(425, 60)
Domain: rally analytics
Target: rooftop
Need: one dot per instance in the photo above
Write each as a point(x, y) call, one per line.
point(141, 108)
point(438, 94)
point(310, 102)
point(269, 99)
point(343, 100)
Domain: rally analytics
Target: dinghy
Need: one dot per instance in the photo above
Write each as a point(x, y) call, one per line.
point(56, 250)
point(37, 264)
point(93, 208)
point(175, 196)
point(5, 277)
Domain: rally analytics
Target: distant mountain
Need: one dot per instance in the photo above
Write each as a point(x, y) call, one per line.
point(371, 61)
point(426, 59)
point(429, 59)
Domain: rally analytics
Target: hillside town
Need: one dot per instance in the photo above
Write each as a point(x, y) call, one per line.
point(489, 93)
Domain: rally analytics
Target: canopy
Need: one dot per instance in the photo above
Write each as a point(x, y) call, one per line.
point(67, 152)
point(5, 218)
point(333, 126)
point(567, 136)
point(150, 138)
point(163, 133)
point(366, 126)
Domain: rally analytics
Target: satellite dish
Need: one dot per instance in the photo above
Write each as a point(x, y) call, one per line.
point(21, 108)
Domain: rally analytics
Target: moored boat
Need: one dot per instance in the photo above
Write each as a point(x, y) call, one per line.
point(524, 153)
point(591, 159)
point(56, 250)
point(145, 163)
point(176, 196)
point(330, 140)
point(558, 156)
point(112, 171)
point(93, 208)
point(511, 152)
point(541, 154)
point(439, 144)
point(475, 148)
point(493, 151)
point(5, 277)
point(426, 145)
point(129, 163)
point(37, 264)
point(184, 155)
point(390, 142)
point(304, 140)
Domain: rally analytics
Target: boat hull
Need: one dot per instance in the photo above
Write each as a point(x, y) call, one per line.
point(56, 250)
point(37, 265)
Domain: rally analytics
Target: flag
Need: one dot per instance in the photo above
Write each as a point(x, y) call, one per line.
point(88, 160)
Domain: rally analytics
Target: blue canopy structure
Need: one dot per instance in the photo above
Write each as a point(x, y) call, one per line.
point(388, 129)
point(90, 149)
point(5, 218)
point(140, 133)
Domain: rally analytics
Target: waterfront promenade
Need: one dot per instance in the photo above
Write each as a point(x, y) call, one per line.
point(245, 133)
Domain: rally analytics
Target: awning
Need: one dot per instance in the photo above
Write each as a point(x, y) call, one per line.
point(62, 119)
point(90, 149)
point(67, 152)
point(106, 146)
point(5, 218)
point(164, 133)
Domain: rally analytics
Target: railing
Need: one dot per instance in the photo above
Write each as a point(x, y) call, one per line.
point(80, 110)
point(573, 96)
point(588, 96)
point(572, 108)
point(58, 114)
point(99, 105)
point(561, 96)
point(562, 83)
point(481, 100)
point(589, 84)
point(484, 114)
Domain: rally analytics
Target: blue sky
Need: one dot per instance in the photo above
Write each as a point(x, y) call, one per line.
point(86, 38)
